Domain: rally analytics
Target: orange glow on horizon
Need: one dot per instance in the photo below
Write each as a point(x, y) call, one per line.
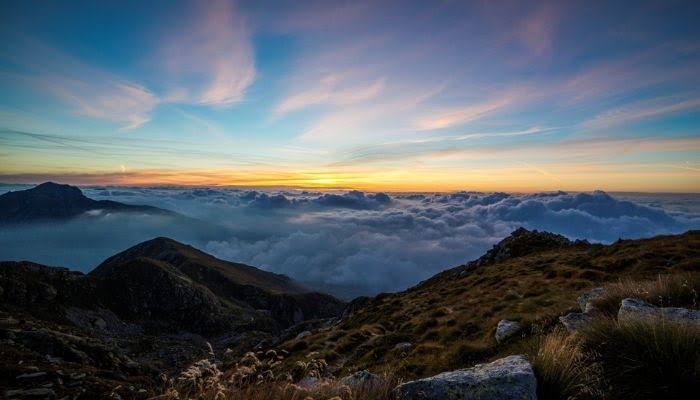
point(516, 178)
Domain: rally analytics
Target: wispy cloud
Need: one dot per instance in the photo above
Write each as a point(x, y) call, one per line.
point(89, 91)
point(211, 58)
point(331, 90)
point(644, 110)
point(125, 103)
point(446, 118)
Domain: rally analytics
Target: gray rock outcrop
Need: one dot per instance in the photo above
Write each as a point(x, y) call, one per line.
point(574, 321)
point(638, 310)
point(508, 378)
point(506, 329)
point(585, 300)
point(362, 378)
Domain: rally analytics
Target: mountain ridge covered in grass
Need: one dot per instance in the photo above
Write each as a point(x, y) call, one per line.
point(162, 313)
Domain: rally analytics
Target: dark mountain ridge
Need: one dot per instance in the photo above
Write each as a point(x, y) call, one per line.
point(53, 201)
point(164, 284)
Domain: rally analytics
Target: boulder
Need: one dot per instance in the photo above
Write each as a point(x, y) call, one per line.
point(635, 310)
point(506, 329)
point(504, 379)
point(585, 300)
point(574, 321)
point(309, 382)
point(99, 323)
point(361, 378)
point(403, 346)
point(303, 334)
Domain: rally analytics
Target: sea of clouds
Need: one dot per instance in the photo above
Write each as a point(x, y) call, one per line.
point(347, 243)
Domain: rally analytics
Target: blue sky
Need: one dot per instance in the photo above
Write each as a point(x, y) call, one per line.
point(518, 96)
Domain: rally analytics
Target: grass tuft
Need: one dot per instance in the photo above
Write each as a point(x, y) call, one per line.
point(564, 371)
point(680, 290)
point(646, 358)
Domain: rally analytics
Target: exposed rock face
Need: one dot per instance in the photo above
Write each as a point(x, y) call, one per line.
point(632, 310)
point(355, 305)
point(309, 382)
point(509, 378)
point(574, 321)
point(506, 329)
point(303, 334)
point(250, 288)
point(50, 201)
point(522, 242)
point(359, 379)
point(404, 346)
point(519, 243)
point(585, 300)
point(29, 284)
point(146, 290)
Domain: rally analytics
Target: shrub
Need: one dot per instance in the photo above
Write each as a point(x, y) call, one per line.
point(647, 358)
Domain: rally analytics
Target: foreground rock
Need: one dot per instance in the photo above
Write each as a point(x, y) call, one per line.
point(506, 329)
point(585, 300)
point(361, 379)
point(574, 321)
point(632, 310)
point(505, 379)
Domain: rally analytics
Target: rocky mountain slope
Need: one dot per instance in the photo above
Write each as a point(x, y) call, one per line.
point(157, 307)
point(52, 201)
point(150, 309)
point(449, 320)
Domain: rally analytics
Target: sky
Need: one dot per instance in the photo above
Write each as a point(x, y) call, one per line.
point(378, 96)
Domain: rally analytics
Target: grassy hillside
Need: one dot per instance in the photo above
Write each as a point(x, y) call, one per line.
point(450, 319)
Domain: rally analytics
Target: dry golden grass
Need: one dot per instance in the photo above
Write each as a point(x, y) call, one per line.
point(260, 376)
point(564, 370)
point(450, 320)
point(664, 291)
point(450, 324)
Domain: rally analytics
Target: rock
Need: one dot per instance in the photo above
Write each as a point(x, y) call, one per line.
point(48, 292)
point(309, 382)
point(100, 324)
point(522, 242)
point(77, 376)
point(635, 310)
point(574, 321)
point(506, 329)
point(403, 346)
point(8, 322)
point(362, 378)
point(508, 378)
point(31, 375)
point(303, 335)
point(41, 392)
point(585, 300)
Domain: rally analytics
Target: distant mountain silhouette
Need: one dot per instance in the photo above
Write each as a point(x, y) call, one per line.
point(53, 201)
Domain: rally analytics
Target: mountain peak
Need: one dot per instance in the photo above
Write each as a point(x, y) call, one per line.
point(522, 242)
point(200, 264)
point(51, 201)
point(56, 190)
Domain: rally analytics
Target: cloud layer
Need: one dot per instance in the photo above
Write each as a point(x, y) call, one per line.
point(349, 243)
